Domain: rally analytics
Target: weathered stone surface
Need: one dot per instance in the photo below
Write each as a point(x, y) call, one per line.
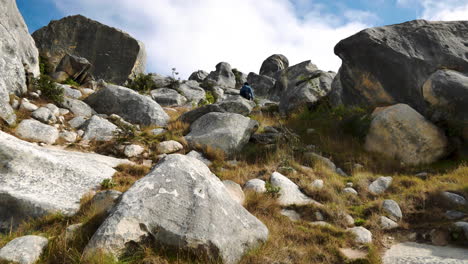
point(318, 184)
point(464, 227)
point(222, 77)
point(235, 191)
point(54, 109)
point(191, 116)
point(198, 76)
point(454, 215)
point(37, 181)
point(304, 90)
point(350, 190)
point(197, 155)
point(168, 147)
point(326, 162)
point(70, 92)
point(392, 209)
point(263, 86)
point(99, 129)
point(133, 107)
point(414, 253)
point(274, 64)
point(76, 68)
point(255, 185)
point(362, 235)
point(26, 105)
point(161, 81)
point(401, 132)
point(380, 185)
point(192, 91)
point(158, 131)
point(237, 105)
point(18, 56)
point(171, 205)
point(104, 201)
point(387, 223)
point(168, 97)
point(114, 54)
point(44, 115)
point(395, 61)
point(454, 198)
point(33, 130)
point(289, 193)
point(225, 131)
point(78, 107)
point(291, 76)
point(133, 150)
point(24, 250)
point(68, 136)
point(77, 122)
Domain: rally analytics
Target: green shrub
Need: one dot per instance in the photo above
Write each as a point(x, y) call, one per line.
point(209, 99)
point(143, 83)
point(44, 66)
point(71, 82)
point(359, 222)
point(272, 190)
point(108, 184)
point(49, 89)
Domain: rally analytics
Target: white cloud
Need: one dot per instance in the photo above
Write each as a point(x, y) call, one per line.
point(446, 10)
point(197, 34)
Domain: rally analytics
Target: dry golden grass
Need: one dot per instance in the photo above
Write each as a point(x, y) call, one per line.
point(126, 175)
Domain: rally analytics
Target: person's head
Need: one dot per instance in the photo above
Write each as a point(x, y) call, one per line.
point(246, 83)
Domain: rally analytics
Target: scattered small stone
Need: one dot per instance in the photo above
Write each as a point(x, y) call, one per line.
point(422, 175)
point(318, 184)
point(363, 235)
point(54, 109)
point(349, 220)
point(26, 105)
point(319, 223)
point(80, 132)
point(270, 129)
point(133, 150)
point(24, 250)
point(454, 215)
point(319, 216)
point(77, 122)
point(255, 185)
point(291, 214)
point(387, 223)
point(454, 198)
point(392, 209)
point(350, 190)
point(289, 193)
point(15, 104)
point(349, 184)
point(44, 115)
point(87, 91)
point(235, 191)
point(68, 136)
point(34, 130)
point(34, 95)
point(64, 111)
point(380, 185)
point(168, 147)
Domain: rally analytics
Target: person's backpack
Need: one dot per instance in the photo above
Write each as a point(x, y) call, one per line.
point(245, 93)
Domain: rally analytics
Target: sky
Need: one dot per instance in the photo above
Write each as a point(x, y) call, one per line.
point(195, 35)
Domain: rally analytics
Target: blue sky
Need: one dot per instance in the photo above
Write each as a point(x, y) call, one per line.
point(197, 34)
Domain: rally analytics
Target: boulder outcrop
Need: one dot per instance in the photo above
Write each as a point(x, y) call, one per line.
point(274, 64)
point(115, 55)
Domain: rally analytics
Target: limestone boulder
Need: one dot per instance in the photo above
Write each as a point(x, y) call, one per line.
point(289, 193)
point(273, 65)
point(99, 129)
point(24, 250)
point(192, 91)
point(114, 54)
point(400, 132)
point(77, 107)
point(362, 235)
point(181, 205)
point(192, 116)
point(168, 147)
point(222, 77)
point(168, 97)
point(263, 86)
point(37, 181)
point(225, 131)
point(130, 105)
point(255, 185)
point(198, 76)
point(33, 130)
point(380, 185)
point(392, 209)
point(237, 105)
point(235, 191)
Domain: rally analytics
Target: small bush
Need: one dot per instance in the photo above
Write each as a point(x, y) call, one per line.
point(209, 99)
point(71, 82)
point(107, 184)
point(143, 83)
point(49, 89)
point(44, 66)
point(272, 190)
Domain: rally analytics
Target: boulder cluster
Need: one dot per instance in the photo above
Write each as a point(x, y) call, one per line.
point(413, 75)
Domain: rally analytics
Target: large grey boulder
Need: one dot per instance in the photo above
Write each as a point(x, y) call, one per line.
point(192, 116)
point(37, 181)
point(168, 97)
point(274, 64)
point(77, 107)
point(99, 129)
point(289, 193)
point(294, 75)
point(181, 205)
point(198, 76)
point(393, 62)
point(18, 57)
point(263, 86)
point(380, 185)
point(446, 91)
point(192, 91)
point(400, 132)
point(130, 105)
point(225, 131)
point(305, 92)
point(24, 250)
point(33, 130)
point(114, 54)
point(222, 77)
point(238, 105)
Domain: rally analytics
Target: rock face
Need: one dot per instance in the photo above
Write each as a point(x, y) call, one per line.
point(34, 130)
point(99, 129)
point(198, 76)
point(168, 147)
point(76, 68)
point(168, 97)
point(399, 131)
point(263, 86)
point(235, 191)
point(274, 64)
point(225, 131)
point(222, 77)
point(395, 61)
point(78, 107)
point(24, 250)
point(237, 105)
point(192, 116)
point(192, 91)
point(289, 191)
point(181, 204)
point(114, 54)
point(36, 181)
point(18, 56)
point(363, 236)
point(130, 105)
point(414, 253)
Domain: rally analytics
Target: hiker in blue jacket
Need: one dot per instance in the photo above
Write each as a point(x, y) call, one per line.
point(247, 92)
